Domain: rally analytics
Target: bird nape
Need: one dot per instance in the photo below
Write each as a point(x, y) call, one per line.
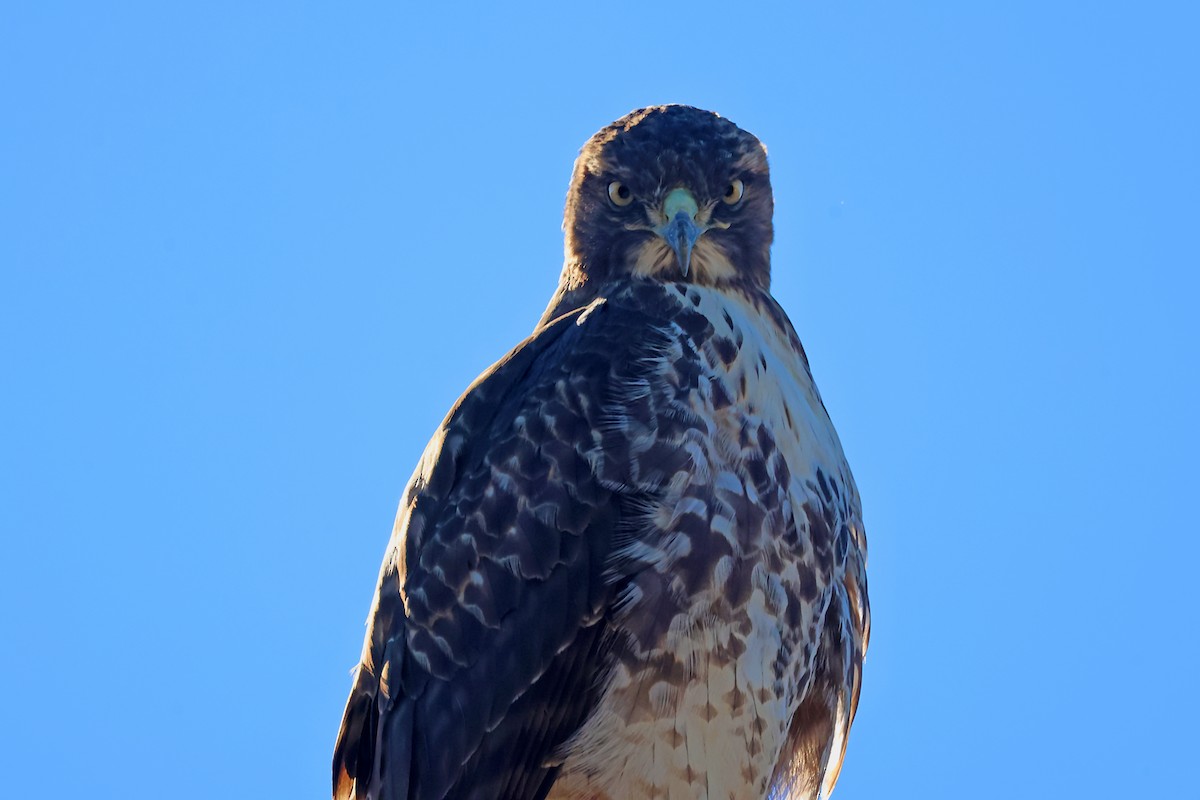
point(631, 561)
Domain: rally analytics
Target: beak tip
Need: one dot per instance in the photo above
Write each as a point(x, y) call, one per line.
point(681, 234)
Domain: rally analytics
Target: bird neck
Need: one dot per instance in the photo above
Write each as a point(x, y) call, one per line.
point(576, 289)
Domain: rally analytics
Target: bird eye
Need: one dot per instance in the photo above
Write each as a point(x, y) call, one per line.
point(619, 194)
point(734, 192)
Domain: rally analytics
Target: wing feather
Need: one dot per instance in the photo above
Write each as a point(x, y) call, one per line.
point(819, 730)
point(487, 636)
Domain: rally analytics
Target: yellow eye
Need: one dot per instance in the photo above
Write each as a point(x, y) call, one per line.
point(619, 193)
point(734, 192)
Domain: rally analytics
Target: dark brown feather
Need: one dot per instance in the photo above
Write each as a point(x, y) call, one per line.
point(487, 641)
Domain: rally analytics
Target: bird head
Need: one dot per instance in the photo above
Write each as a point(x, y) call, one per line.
point(670, 193)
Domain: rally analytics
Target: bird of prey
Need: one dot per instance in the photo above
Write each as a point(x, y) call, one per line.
point(631, 562)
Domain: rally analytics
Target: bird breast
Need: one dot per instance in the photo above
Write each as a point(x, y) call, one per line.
point(727, 581)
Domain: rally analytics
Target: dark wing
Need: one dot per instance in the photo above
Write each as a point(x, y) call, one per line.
point(816, 742)
point(487, 639)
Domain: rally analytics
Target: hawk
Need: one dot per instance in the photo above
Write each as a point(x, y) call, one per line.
point(631, 562)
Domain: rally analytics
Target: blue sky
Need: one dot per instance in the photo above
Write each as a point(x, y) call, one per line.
point(250, 256)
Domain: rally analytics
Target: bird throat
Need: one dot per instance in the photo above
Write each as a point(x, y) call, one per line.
point(709, 264)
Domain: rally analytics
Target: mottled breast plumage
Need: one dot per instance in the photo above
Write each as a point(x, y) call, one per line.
point(631, 562)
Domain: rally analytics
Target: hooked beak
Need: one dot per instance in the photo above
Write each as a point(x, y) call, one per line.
point(680, 230)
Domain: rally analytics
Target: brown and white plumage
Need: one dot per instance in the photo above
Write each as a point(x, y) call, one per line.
point(631, 562)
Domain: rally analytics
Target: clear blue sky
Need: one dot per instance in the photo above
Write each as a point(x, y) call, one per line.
point(249, 257)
